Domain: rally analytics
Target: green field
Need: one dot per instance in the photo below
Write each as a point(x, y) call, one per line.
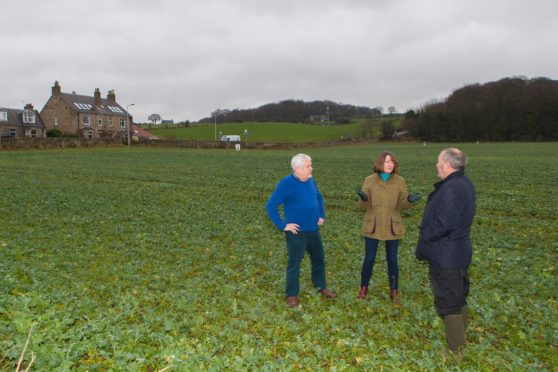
point(264, 132)
point(144, 259)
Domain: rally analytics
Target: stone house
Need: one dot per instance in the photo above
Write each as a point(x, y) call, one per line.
point(87, 116)
point(16, 123)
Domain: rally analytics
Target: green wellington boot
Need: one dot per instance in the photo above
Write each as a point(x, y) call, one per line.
point(455, 334)
point(465, 316)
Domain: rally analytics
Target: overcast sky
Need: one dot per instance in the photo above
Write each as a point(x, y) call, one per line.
point(183, 59)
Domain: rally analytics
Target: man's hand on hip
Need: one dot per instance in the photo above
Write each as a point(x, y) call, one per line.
point(292, 227)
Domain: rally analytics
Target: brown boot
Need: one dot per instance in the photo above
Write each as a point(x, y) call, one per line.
point(327, 293)
point(394, 295)
point(292, 301)
point(363, 291)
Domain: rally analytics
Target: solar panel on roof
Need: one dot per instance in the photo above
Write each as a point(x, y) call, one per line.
point(115, 109)
point(83, 106)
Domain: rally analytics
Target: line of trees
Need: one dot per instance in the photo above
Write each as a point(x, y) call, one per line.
point(297, 111)
point(511, 109)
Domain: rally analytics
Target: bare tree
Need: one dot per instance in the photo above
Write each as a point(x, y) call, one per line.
point(378, 110)
point(154, 118)
point(392, 110)
point(220, 112)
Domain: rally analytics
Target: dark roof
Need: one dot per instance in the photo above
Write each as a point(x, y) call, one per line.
point(15, 118)
point(86, 104)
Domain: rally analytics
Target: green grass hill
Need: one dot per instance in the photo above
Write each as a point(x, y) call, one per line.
point(274, 132)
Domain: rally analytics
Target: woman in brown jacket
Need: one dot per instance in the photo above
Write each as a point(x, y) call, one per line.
point(383, 195)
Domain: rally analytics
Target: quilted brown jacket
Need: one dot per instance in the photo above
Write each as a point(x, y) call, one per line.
point(382, 219)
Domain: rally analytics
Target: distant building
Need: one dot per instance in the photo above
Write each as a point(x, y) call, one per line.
point(400, 134)
point(317, 118)
point(86, 116)
point(230, 138)
point(169, 121)
point(16, 123)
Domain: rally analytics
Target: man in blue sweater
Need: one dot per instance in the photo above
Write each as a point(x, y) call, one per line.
point(303, 210)
point(445, 242)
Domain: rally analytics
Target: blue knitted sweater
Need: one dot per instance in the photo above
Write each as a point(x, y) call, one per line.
point(302, 204)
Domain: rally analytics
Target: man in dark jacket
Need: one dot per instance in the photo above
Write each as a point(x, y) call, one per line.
point(445, 242)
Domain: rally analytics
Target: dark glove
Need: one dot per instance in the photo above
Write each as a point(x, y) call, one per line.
point(413, 197)
point(361, 195)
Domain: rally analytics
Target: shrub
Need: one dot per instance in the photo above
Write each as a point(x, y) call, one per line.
point(56, 133)
point(387, 129)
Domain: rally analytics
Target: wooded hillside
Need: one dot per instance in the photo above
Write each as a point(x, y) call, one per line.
point(297, 111)
point(511, 109)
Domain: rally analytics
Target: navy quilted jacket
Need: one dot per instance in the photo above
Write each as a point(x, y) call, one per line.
point(445, 231)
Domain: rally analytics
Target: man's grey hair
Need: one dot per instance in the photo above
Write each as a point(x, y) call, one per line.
point(454, 157)
point(299, 159)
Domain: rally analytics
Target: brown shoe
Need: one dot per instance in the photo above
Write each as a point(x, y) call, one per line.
point(394, 295)
point(327, 293)
point(292, 301)
point(363, 291)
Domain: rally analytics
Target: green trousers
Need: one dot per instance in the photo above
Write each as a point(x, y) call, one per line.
point(297, 245)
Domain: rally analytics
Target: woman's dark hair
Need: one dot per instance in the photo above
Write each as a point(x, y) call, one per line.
point(379, 164)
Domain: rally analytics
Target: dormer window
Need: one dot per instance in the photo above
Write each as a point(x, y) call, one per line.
point(3, 116)
point(28, 117)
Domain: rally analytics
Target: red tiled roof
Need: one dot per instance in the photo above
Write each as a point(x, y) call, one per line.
point(138, 131)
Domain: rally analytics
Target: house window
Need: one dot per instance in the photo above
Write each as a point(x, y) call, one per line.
point(110, 122)
point(13, 133)
point(122, 123)
point(55, 122)
point(31, 133)
point(3, 116)
point(85, 120)
point(100, 121)
point(28, 116)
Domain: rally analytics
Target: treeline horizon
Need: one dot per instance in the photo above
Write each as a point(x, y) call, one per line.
point(510, 109)
point(296, 111)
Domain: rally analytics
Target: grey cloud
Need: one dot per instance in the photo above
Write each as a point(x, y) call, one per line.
point(183, 59)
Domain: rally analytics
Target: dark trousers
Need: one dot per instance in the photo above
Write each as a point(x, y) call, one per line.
point(310, 242)
point(371, 248)
point(450, 288)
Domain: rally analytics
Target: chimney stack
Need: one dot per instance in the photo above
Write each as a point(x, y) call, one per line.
point(56, 89)
point(111, 97)
point(28, 107)
point(97, 97)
